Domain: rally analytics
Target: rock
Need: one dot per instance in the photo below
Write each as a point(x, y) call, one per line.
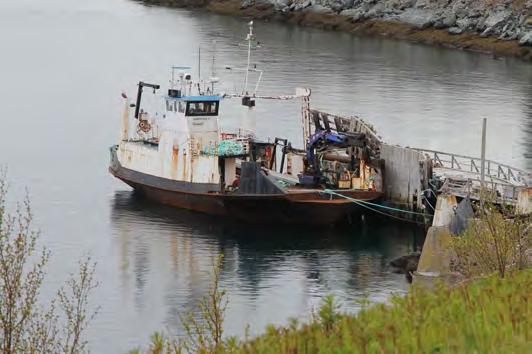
point(281, 4)
point(526, 39)
point(246, 3)
point(319, 9)
point(449, 19)
point(340, 5)
point(497, 18)
point(459, 8)
point(527, 22)
point(406, 264)
point(298, 6)
point(348, 12)
point(419, 18)
point(455, 30)
point(465, 23)
point(376, 11)
point(486, 32)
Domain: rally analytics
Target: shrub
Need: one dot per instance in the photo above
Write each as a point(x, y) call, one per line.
point(489, 315)
point(25, 325)
point(493, 243)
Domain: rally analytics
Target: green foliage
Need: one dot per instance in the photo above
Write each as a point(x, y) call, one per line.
point(25, 325)
point(493, 243)
point(486, 316)
point(328, 313)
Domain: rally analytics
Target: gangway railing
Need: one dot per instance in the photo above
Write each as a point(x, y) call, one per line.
point(497, 192)
point(473, 165)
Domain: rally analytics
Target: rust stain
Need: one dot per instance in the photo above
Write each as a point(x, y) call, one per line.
point(184, 166)
point(173, 165)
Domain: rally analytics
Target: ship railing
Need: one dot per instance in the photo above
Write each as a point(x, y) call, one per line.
point(494, 170)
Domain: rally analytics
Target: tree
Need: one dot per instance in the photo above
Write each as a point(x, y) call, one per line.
point(26, 326)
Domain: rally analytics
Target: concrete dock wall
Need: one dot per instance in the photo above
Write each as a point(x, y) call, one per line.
point(406, 174)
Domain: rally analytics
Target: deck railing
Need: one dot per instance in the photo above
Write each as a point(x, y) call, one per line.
point(470, 164)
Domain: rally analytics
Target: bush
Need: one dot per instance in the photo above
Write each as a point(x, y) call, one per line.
point(25, 325)
point(489, 315)
point(493, 243)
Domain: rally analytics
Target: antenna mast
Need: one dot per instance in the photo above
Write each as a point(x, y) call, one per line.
point(249, 38)
point(199, 70)
point(213, 67)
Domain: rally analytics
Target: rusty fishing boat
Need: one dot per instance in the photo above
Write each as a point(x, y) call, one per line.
point(175, 153)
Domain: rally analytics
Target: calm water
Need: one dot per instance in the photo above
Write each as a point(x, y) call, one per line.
point(63, 64)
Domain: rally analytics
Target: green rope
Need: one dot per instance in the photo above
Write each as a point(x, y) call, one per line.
point(328, 191)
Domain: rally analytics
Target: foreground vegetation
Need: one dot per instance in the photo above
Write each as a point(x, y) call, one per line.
point(489, 315)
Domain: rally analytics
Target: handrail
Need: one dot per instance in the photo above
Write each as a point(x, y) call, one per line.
point(505, 193)
point(493, 169)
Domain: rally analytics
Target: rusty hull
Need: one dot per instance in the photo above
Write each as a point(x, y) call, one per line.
point(305, 207)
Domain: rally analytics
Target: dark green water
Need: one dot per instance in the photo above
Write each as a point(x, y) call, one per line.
point(63, 65)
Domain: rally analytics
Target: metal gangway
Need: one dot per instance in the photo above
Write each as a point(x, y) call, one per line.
point(462, 176)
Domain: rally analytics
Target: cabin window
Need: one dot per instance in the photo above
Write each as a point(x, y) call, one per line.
point(182, 106)
point(174, 106)
point(169, 106)
point(202, 108)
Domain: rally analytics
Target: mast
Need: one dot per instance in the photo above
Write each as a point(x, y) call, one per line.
point(199, 70)
point(249, 38)
point(213, 67)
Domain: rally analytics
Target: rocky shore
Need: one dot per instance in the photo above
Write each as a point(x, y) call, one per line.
point(498, 27)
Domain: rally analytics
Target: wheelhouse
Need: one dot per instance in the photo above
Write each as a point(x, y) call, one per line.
point(194, 106)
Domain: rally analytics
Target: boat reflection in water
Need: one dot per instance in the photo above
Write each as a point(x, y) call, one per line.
point(271, 273)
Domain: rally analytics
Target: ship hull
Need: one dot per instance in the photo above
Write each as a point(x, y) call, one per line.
point(306, 207)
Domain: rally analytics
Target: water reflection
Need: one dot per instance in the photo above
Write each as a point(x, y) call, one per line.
point(271, 272)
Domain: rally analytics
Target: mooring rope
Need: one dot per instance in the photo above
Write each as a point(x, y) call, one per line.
point(331, 192)
point(361, 203)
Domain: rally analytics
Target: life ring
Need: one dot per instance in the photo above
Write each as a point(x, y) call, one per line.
point(144, 126)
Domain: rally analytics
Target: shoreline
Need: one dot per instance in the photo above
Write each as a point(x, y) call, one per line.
point(469, 41)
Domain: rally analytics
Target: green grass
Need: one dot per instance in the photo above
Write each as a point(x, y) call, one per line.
point(489, 315)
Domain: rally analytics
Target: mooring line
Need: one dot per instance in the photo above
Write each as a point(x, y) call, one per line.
point(389, 215)
point(328, 191)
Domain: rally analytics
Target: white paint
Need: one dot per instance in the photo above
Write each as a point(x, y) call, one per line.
point(296, 164)
point(248, 122)
point(524, 201)
point(184, 152)
point(230, 171)
point(445, 207)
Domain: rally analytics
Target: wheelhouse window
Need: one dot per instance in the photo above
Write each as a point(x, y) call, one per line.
point(182, 107)
point(171, 105)
point(202, 108)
